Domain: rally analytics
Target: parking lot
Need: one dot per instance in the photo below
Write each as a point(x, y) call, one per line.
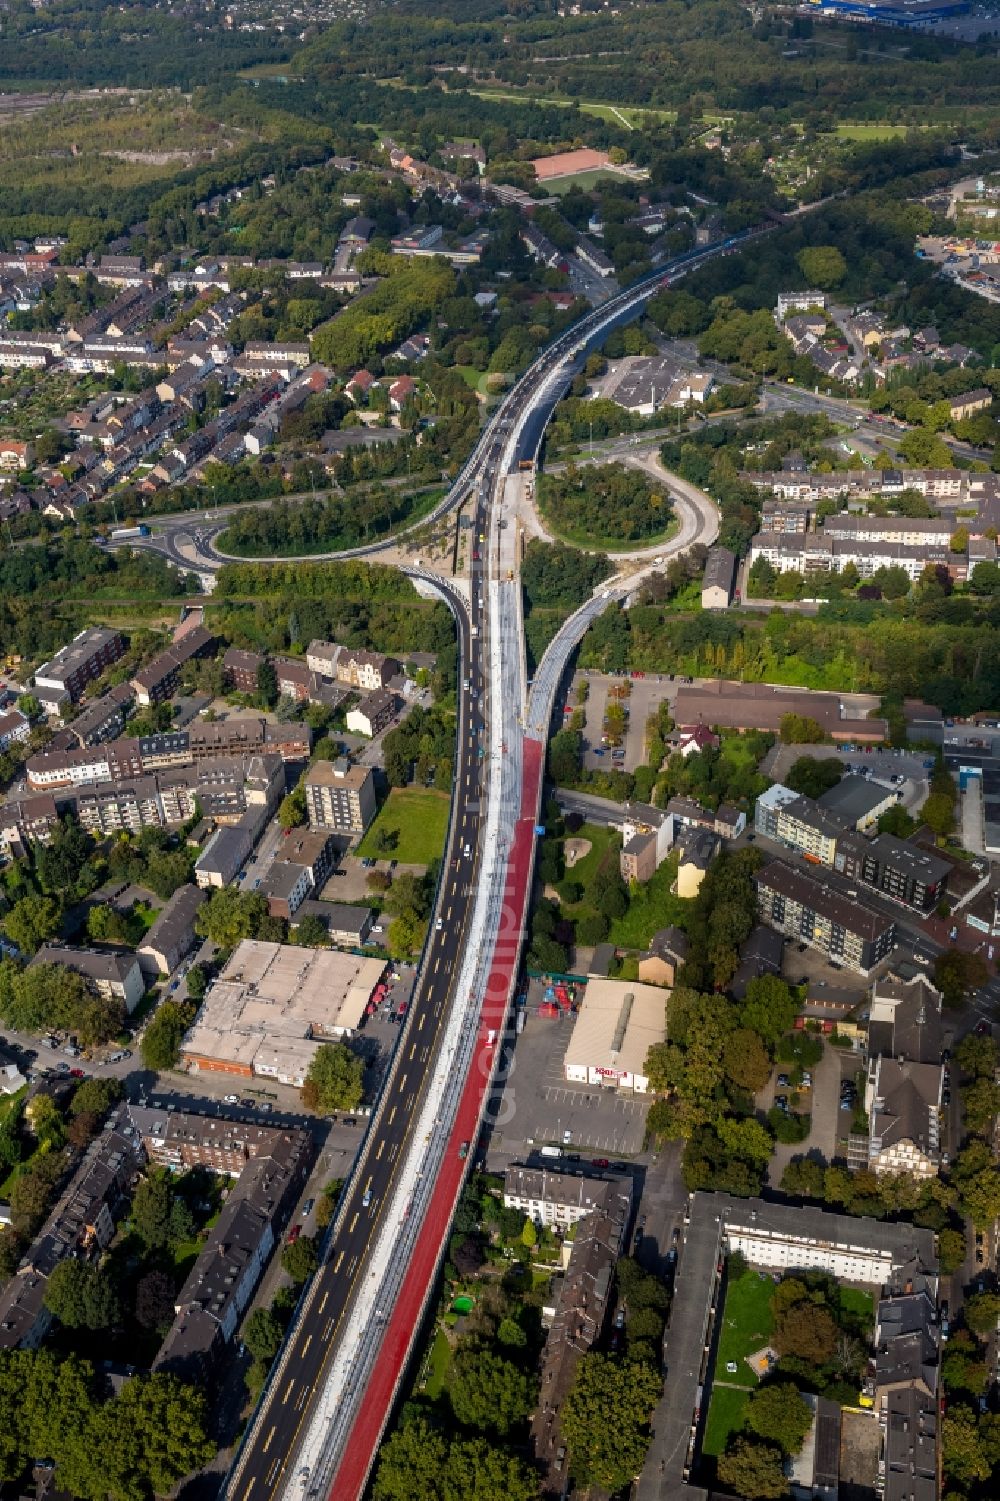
point(645, 696)
point(533, 1105)
point(880, 765)
point(828, 1122)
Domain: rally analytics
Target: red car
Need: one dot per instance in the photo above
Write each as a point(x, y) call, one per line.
point(76, 1073)
point(601, 1162)
point(294, 1234)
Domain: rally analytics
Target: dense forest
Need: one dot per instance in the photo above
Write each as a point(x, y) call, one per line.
point(945, 650)
point(321, 525)
point(604, 504)
point(38, 587)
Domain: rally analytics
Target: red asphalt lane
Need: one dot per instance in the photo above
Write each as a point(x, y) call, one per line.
point(350, 1479)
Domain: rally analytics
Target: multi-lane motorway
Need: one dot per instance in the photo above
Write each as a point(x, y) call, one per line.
point(281, 1455)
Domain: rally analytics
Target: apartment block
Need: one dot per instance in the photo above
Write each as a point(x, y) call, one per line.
point(907, 872)
point(340, 797)
point(157, 681)
point(84, 659)
point(81, 1225)
point(819, 552)
point(303, 863)
point(559, 1200)
point(374, 713)
point(808, 910)
point(903, 1100)
point(103, 719)
point(798, 822)
point(367, 670)
point(114, 976)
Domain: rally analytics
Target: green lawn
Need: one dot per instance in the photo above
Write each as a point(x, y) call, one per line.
point(474, 378)
point(591, 543)
point(746, 1326)
point(419, 816)
point(650, 908)
point(854, 1300)
point(584, 180)
point(725, 1416)
point(583, 871)
point(877, 130)
point(438, 1362)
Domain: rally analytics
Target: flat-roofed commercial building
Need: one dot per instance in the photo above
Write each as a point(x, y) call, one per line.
point(274, 1005)
point(617, 1024)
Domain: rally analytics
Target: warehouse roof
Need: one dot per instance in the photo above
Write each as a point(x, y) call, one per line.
point(618, 1023)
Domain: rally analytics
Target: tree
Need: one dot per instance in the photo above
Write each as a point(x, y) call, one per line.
point(755, 1471)
point(161, 1428)
point(807, 1330)
point(197, 982)
point(311, 932)
point(160, 1216)
point(335, 1080)
point(95, 1096)
point(488, 1392)
point(81, 1296)
point(977, 1056)
point(529, 1234)
point(938, 812)
point(778, 1412)
point(44, 1119)
point(299, 1259)
point(33, 920)
point(262, 1334)
point(746, 1060)
point(231, 915)
point(292, 809)
point(565, 757)
point(605, 1420)
point(951, 1250)
point(768, 1008)
point(419, 1461)
point(799, 729)
point(813, 775)
point(957, 974)
point(964, 1458)
point(823, 266)
point(154, 1301)
point(980, 1104)
point(981, 1313)
point(161, 1041)
point(267, 684)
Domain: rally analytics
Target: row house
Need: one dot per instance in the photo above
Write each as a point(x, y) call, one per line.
point(817, 553)
point(24, 356)
point(157, 681)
